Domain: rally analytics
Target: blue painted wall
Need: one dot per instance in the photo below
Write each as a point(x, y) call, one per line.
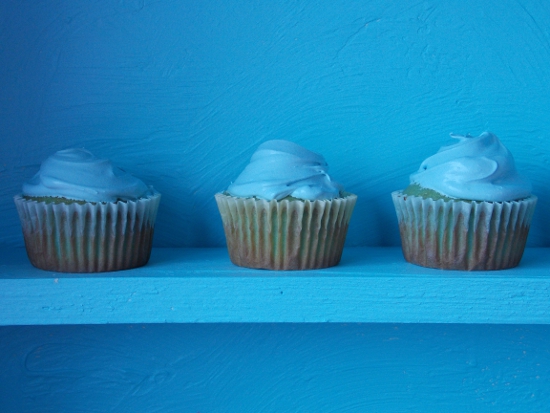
point(180, 94)
point(275, 368)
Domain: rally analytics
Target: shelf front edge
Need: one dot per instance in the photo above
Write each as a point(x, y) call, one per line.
point(377, 299)
point(366, 294)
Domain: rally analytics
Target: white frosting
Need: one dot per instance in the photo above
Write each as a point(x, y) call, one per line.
point(78, 174)
point(281, 168)
point(475, 168)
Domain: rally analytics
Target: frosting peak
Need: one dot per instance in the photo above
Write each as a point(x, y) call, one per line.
point(476, 168)
point(78, 174)
point(281, 168)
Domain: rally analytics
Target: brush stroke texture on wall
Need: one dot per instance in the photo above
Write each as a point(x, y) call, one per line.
point(181, 93)
point(329, 368)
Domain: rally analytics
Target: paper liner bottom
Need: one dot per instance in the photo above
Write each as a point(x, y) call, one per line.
point(91, 237)
point(459, 235)
point(285, 235)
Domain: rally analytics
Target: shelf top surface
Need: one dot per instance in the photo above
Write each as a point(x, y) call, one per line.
point(214, 262)
point(202, 285)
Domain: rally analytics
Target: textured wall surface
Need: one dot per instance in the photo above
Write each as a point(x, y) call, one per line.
point(275, 368)
point(181, 92)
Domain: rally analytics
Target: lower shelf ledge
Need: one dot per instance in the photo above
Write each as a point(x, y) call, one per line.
point(371, 285)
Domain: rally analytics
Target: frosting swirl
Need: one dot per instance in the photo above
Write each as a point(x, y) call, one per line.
point(475, 168)
point(78, 174)
point(281, 168)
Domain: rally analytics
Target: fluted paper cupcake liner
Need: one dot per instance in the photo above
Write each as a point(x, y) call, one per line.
point(90, 237)
point(287, 234)
point(461, 235)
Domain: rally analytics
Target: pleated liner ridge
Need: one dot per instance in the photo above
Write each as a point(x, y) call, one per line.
point(462, 235)
point(93, 237)
point(285, 235)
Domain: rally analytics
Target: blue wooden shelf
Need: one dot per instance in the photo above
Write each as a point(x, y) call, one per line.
point(202, 286)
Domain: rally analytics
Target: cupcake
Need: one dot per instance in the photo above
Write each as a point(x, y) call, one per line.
point(284, 212)
point(466, 208)
point(80, 213)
